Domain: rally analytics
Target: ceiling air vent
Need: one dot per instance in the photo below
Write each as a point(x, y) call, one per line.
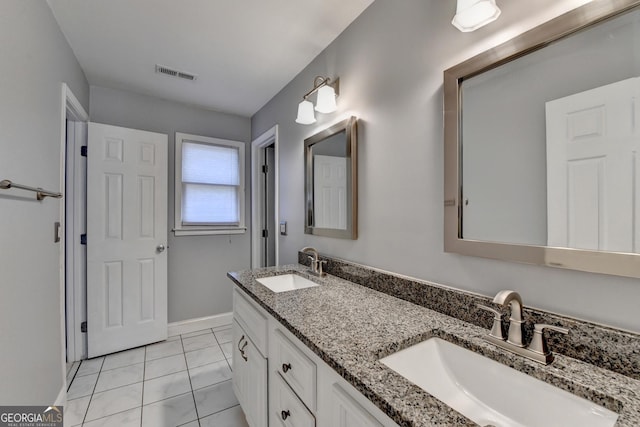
point(175, 73)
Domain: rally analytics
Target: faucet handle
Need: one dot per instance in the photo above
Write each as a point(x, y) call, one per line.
point(538, 343)
point(496, 329)
point(321, 263)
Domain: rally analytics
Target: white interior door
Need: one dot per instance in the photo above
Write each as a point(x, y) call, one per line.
point(126, 238)
point(330, 192)
point(592, 168)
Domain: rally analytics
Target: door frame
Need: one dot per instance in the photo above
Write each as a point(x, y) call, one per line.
point(72, 209)
point(267, 138)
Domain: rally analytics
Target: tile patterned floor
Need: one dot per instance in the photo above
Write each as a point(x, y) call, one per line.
point(184, 381)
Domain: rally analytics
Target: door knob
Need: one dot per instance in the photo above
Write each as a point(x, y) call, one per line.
point(160, 248)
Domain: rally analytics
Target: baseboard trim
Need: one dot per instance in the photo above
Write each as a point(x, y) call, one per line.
point(61, 400)
point(192, 325)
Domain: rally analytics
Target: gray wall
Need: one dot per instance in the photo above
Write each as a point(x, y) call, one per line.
point(505, 175)
point(36, 59)
point(198, 285)
point(390, 63)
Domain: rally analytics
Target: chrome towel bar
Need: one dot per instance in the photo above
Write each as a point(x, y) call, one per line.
point(6, 184)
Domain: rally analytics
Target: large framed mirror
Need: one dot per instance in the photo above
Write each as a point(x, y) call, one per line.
point(331, 181)
point(542, 145)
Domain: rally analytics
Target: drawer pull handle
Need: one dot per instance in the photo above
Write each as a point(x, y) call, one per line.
point(286, 367)
point(285, 414)
point(242, 353)
point(241, 338)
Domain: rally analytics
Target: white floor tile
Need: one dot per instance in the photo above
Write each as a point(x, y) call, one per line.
point(204, 356)
point(72, 369)
point(191, 424)
point(90, 366)
point(232, 417)
point(167, 365)
point(210, 374)
point(196, 333)
point(169, 412)
point(223, 336)
point(130, 418)
point(75, 411)
point(124, 358)
point(227, 349)
point(215, 398)
point(113, 401)
point(198, 342)
point(82, 386)
point(164, 349)
point(173, 338)
point(119, 377)
point(165, 387)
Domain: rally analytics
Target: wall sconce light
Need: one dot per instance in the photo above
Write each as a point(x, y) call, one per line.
point(326, 102)
point(473, 14)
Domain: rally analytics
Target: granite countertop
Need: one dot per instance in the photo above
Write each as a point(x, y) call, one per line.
point(351, 327)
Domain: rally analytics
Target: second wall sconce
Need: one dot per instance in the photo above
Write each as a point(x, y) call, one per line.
point(326, 102)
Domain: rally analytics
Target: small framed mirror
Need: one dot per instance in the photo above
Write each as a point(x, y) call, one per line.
point(331, 181)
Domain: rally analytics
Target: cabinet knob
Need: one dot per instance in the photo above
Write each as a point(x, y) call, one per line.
point(285, 414)
point(286, 367)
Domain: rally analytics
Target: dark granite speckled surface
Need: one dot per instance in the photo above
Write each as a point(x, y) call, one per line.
point(350, 327)
point(598, 345)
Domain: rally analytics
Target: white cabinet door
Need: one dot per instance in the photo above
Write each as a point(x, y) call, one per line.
point(346, 412)
point(126, 238)
point(249, 378)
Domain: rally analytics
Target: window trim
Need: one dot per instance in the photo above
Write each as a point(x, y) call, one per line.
point(199, 230)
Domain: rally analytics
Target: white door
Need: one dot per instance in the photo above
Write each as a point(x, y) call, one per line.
point(592, 163)
point(330, 192)
point(126, 238)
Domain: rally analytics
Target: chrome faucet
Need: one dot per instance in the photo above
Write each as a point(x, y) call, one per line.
point(538, 349)
point(316, 263)
point(516, 324)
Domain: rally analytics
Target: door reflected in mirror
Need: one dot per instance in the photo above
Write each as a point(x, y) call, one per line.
point(331, 181)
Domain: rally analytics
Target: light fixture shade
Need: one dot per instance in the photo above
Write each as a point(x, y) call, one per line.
point(326, 102)
point(306, 115)
point(473, 14)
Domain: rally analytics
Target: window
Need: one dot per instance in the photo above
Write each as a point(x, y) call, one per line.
point(209, 186)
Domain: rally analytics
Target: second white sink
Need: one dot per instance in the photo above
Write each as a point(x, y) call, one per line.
point(490, 393)
point(286, 282)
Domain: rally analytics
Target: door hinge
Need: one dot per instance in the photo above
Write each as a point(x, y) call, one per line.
point(83, 239)
point(265, 168)
point(265, 233)
point(83, 151)
point(83, 327)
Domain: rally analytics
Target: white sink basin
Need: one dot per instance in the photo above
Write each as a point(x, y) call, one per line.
point(490, 393)
point(286, 282)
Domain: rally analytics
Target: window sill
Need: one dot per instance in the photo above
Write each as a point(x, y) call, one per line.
point(208, 231)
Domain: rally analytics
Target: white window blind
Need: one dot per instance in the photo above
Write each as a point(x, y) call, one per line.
point(210, 183)
point(210, 180)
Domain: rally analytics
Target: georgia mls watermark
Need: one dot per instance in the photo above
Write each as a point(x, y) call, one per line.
point(31, 416)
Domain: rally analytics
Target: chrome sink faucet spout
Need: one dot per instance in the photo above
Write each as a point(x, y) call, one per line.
point(316, 263)
point(516, 324)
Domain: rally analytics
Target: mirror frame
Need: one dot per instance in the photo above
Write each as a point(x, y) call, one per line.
point(350, 127)
point(614, 263)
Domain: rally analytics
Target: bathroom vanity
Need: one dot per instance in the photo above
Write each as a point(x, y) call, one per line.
point(311, 356)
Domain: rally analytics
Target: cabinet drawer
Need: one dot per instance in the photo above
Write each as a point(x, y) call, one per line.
point(287, 408)
point(295, 368)
point(252, 321)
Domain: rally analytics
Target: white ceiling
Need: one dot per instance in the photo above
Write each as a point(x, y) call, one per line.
point(243, 51)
